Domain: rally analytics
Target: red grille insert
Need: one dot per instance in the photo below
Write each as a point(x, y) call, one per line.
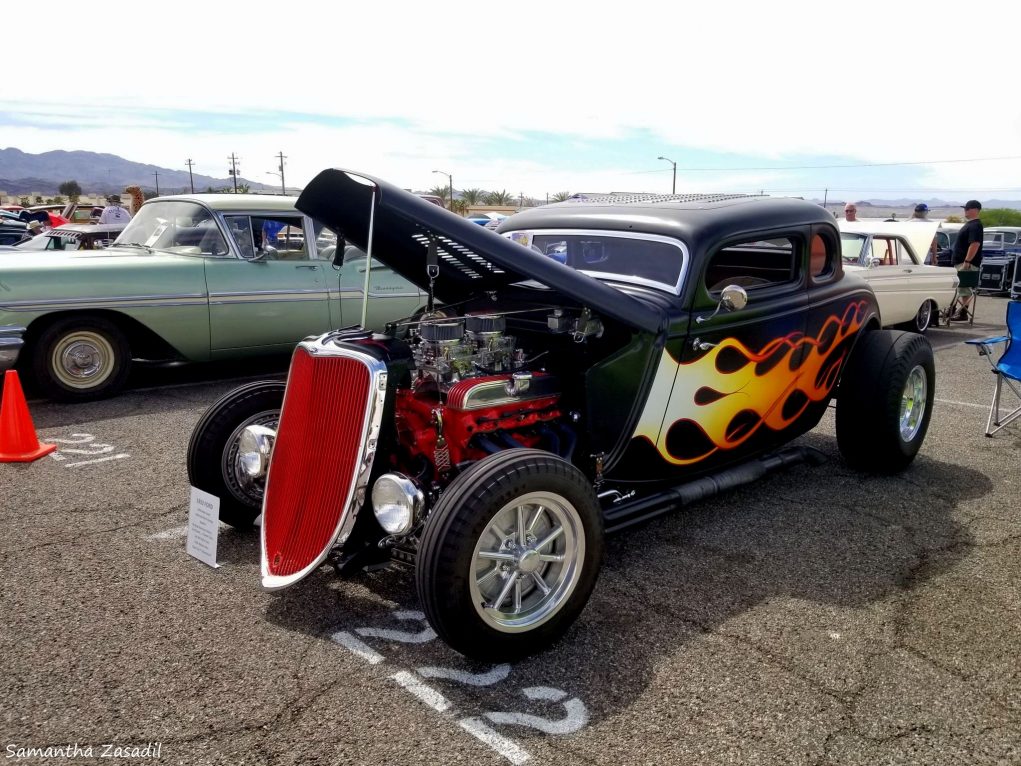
point(313, 468)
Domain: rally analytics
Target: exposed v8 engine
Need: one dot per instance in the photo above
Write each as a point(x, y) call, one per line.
point(472, 394)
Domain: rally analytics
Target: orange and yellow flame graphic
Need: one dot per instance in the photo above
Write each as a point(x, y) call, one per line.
point(717, 402)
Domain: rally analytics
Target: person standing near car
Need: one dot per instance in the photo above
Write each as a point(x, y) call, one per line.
point(968, 253)
point(921, 215)
point(113, 212)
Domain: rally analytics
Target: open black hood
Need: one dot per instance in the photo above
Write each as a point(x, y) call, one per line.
point(471, 259)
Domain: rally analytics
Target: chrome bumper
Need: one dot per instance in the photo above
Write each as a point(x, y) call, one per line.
point(10, 345)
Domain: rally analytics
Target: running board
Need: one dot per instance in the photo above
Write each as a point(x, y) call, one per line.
point(624, 514)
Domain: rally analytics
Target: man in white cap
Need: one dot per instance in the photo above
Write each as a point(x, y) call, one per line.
point(113, 212)
point(33, 229)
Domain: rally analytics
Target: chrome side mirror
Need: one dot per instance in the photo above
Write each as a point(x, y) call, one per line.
point(732, 298)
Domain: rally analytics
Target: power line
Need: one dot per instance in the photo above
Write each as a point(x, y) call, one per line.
point(832, 167)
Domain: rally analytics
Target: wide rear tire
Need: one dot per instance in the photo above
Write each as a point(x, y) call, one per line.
point(496, 578)
point(212, 450)
point(885, 401)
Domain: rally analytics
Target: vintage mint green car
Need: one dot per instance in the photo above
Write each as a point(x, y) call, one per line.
point(195, 277)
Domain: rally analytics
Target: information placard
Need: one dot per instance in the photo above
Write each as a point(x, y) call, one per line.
point(203, 526)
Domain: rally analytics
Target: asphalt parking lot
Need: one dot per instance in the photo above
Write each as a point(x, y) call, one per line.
point(819, 617)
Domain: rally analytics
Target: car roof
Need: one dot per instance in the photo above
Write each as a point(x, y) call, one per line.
point(228, 202)
point(1003, 228)
point(696, 219)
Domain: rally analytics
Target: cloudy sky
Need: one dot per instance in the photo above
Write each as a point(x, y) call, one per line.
point(865, 99)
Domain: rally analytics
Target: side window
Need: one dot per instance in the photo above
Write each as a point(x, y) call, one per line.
point(240, 228)
point(1010, 238)
point(279, 238)
point(820, 257)
point(326, 241)
point(755, 264)
point(884, 251)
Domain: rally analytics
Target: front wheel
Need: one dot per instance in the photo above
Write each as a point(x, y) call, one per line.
point(885, 401)
point(510, 554)
point(213, 459)
point(79, 359)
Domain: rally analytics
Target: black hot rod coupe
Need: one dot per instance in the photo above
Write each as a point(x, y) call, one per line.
point(593, 363)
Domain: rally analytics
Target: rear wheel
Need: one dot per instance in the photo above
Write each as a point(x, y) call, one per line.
point(924, 317)
point(885, 401)
point(510, 554)
point(79, 359)
point(213, 459)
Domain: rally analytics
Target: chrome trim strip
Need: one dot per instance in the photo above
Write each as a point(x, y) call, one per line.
point(183, 299)
point(10, 345)
point(363, 465)
point(245, 293)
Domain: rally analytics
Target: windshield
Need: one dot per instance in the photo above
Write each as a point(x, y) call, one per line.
point(180, 227)
point(51, 242)
point(851, 246)
point(645, 259)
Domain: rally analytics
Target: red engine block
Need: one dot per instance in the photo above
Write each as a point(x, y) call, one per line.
point(419, 414)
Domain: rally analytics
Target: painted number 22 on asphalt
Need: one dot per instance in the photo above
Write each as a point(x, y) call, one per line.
point(84, 445)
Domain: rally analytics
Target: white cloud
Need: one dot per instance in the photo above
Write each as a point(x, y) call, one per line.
point(873, 81)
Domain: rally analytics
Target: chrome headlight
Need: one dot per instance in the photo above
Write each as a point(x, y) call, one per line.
point(397, 503)
point(254, 449)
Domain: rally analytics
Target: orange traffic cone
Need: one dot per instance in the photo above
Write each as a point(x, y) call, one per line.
point(18, 442)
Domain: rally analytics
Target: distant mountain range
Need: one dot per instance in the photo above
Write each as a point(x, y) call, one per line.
point(21, 173)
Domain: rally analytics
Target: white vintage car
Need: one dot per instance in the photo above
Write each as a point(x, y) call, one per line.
point(890, 256)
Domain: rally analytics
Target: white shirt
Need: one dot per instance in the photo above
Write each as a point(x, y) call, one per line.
point(114, 214)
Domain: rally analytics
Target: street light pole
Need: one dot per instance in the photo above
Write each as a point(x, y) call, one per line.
point(450, 180)
point(673, 186)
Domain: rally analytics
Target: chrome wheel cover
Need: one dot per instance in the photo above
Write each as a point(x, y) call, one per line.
point(527, 562)
point(249, 491)
point(923, 317)
point(82, 360)
point(912, 403)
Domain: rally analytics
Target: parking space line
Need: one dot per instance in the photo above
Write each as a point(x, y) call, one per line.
point(505, 747)
point(424, 692)
point(97, 460)
point(963, 404)
point(169, 534)
point(357, 647)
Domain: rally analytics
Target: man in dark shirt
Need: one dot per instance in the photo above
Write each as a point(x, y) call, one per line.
point(968, 253)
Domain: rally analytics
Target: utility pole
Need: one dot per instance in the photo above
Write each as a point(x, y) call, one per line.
point(157, 174)
point(234, 170)
point(283, 186)
point(191, 179)
point(825, 196)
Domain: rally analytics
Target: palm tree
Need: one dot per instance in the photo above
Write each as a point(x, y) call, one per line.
point(560, 196)
point(440, 191)
point(472, 196)
point(499, 198)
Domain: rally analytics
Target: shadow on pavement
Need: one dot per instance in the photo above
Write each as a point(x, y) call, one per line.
point(826, 536)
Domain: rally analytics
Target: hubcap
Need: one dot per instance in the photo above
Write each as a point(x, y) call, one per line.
point(527, 562)
point(82, 360)
point(912, 404)
point(249, 491)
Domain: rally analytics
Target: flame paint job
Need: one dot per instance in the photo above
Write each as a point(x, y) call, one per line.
point(718, 401)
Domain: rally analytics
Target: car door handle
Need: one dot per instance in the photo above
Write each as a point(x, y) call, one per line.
point(702, 345)
point(312, 266)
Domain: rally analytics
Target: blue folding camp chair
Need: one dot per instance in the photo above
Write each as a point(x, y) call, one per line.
point(1007, 369)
